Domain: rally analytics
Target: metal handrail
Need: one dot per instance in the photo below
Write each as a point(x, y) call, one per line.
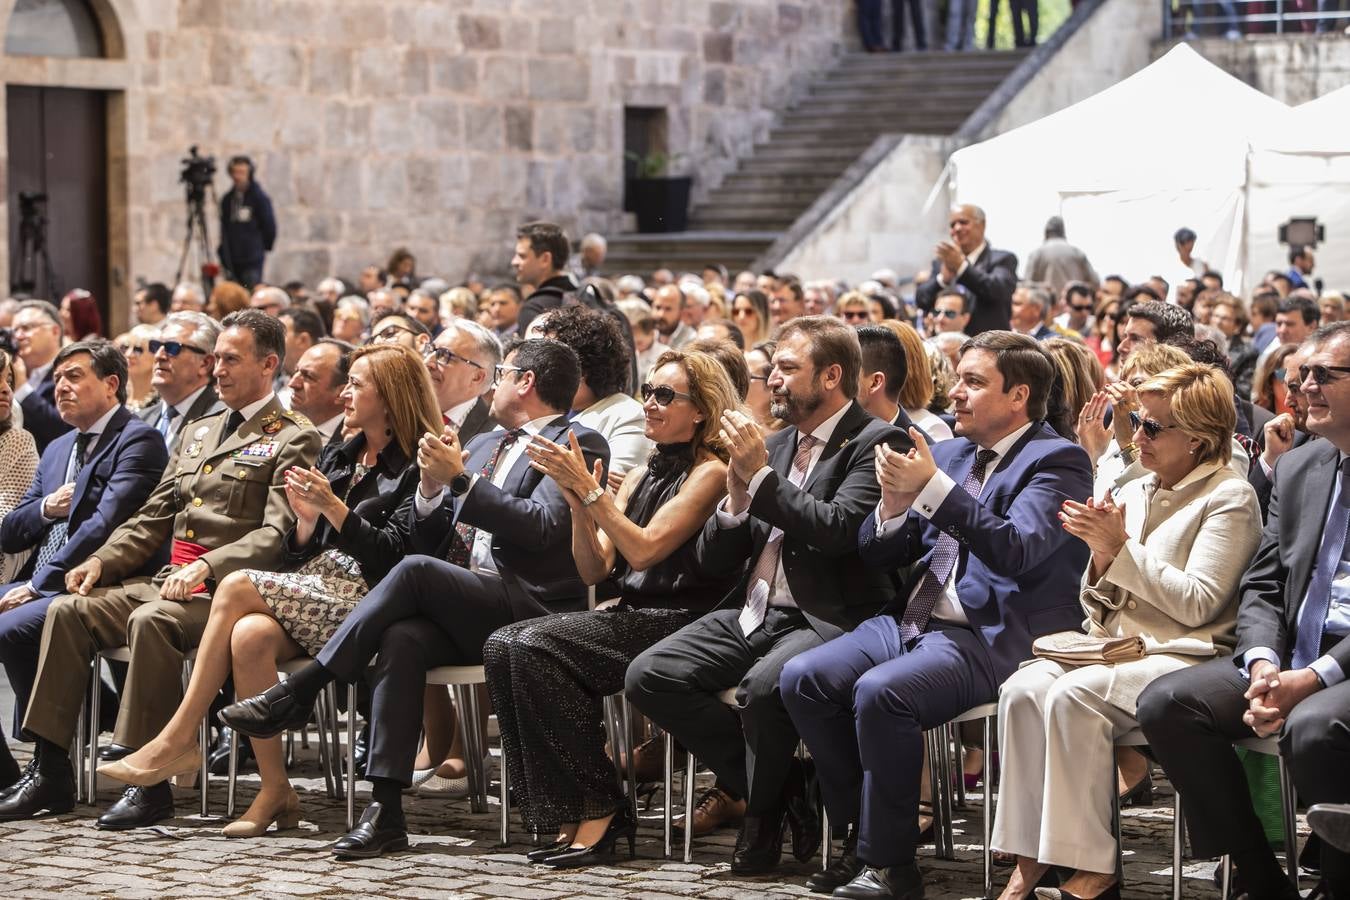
point(1180, 18)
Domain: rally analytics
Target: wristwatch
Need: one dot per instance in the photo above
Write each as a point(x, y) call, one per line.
point(460, 484)
point(592, 496)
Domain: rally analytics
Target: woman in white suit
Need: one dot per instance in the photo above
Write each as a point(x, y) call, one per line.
point(1168, 550)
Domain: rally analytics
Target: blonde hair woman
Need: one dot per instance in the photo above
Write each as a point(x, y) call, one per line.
point(1082, 373)
point(1168, 551)
point(345, 539)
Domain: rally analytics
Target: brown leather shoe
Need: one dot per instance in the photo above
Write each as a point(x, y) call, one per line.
point(649, 764)
point(713, 810)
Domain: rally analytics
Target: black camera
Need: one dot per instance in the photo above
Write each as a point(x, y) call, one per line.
point(198, 173)
point(7, 342)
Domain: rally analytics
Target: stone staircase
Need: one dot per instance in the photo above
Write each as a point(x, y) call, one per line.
point(864, 96)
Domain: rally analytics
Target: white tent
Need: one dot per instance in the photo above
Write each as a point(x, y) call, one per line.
point(1163, 149)
point(1303, 171)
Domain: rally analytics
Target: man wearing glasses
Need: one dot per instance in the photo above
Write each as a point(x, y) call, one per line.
point(951, 312)
point(460, 363)
point(397, 328)
point(1076, 316)
point(182, 375)
point(1287, 675)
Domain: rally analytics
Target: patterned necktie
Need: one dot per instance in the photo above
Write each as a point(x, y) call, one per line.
point(56, 535)
point(461, 545)
point(166, 421)
point(766, 567)
point(1313, 619)
point(940, 564)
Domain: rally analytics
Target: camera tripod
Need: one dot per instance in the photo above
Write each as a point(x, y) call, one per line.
point(34, 262)
point(196, 236)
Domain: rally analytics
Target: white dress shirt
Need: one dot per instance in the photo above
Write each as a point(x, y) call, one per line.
point(176, 423)
point(780, 594)
point(459, 412)
point(948, 606)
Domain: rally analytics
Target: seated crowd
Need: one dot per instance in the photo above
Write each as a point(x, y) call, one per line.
point(766, 512)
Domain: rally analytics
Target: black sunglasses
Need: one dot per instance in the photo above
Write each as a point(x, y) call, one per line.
point(664, 394)
point(1152, 428)
point(1320, 374)
point(1077, 308)
point(860, 315)
point(445, 357)
point(946, 313)
point(173, 348)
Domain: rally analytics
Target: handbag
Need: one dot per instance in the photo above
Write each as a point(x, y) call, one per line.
point(1077, 649)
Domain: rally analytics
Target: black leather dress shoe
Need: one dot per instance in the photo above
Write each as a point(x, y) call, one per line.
point(139, 807)
point(114, 752)
point(36, 791)
point(889, 883)
point(218, 763)
point(843, 870)
point(361, 752)
point(9, 769)
point(375, 834)
point(759, 845)
point(28, 772)
point(267, 715)
point(803, 816)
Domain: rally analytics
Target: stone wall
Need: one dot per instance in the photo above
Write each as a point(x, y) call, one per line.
point(437, 125)
point(1292, 68)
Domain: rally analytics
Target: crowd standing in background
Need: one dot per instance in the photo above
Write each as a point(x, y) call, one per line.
point(765, 510)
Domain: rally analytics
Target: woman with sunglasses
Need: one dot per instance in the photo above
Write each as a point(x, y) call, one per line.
point(1102, 341)
point(135, 346)
point(750, 313)
point(346, 537)
point(548, 676)
point(1168, 551)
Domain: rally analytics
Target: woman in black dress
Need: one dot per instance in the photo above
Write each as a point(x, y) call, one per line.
point(548, 676)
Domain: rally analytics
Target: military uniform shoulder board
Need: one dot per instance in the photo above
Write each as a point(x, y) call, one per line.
point(298, 418)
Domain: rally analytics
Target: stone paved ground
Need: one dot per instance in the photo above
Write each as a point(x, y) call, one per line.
point(454, 854)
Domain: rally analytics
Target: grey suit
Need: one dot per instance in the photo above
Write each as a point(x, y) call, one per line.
point(207, 402)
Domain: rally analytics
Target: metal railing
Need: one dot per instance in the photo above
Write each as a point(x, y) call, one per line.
point(1233, 19)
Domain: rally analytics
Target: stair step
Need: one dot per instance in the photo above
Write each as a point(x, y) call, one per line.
point(763, 199)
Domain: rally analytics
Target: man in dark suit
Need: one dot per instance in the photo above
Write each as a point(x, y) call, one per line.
point(1031, 305)
point(460, 363)
point(38, 333)
point(1282, 433)
point(978, 513)
point(967, 259)
point(1287, 675)
point(884, 369)
point(91, 479)
point(184, 358)
point(794, 503)
point(498, 549)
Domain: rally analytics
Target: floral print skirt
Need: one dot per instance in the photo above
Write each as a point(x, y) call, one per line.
point(311, 602)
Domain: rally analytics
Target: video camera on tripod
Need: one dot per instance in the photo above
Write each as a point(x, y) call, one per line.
point(198, 179)
point(33, 271)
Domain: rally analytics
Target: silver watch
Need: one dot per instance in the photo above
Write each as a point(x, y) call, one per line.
point(592, 496)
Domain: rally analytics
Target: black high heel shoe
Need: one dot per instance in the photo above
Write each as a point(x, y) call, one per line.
point(540, 854)
point(622, 825)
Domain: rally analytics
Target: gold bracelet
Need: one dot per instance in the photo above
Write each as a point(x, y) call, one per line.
point(1129, 450)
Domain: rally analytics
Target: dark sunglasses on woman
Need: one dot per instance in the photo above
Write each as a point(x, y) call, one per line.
point(664, 394)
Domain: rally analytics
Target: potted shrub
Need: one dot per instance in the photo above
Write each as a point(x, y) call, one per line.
point(660, 201)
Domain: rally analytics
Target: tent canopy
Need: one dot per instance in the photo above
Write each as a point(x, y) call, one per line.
point(1165, 148)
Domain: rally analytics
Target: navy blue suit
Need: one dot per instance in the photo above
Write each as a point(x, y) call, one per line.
point(862, 702)
point(121, 470)
point(40, 417)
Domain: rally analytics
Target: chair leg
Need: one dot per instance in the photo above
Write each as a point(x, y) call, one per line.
point(320, 717)
point(630, 766)
point(669, 783)
point(234, 773)
point(942, 794)
point(691, 767)
point(351, 756)
point(77, 748)
point(475, 743)
point(615, 741)
point(1225, 877)
point(504, 795)
point(826, 845)
point(1287, 800)
point(987, 814)
point(1178, 839)
point(334, 742)
point(95, 717)
point(1115, 824)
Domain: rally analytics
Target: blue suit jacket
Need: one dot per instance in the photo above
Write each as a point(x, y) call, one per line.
point(528, 518)
point(1019, 571)
point(40, 417)
point(125, 465)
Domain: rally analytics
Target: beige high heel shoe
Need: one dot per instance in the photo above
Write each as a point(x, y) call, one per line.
point(122, 770)
point(287, 817)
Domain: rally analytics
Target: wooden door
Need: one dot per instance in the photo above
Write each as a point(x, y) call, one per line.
point(58, 147)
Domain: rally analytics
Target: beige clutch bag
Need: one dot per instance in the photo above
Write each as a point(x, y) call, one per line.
point(1076, 649)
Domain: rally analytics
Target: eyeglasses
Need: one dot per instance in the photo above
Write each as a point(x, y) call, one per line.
point(500, 370)
point(1152, 427)
point(444, 357)
point(1076, 308)
point(1112, 316)
point(173, 348)
point(1320, 374)
point(856, 315)
point(664, 394)
point(945, 313)
point(390, 333)
point(763, 378)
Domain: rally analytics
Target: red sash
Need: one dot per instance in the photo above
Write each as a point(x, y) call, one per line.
point(183, 552)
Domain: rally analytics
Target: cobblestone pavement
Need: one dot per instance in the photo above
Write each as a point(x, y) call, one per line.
point(454, 854)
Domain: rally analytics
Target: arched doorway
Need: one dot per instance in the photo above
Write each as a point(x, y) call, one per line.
point(58, 131)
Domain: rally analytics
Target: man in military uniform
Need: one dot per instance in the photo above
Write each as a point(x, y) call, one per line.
point(223, 503)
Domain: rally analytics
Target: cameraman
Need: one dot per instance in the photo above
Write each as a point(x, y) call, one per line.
point(247, 226)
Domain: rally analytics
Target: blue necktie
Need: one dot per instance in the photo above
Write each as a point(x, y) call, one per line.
point(1313, 619)
point(57, 533)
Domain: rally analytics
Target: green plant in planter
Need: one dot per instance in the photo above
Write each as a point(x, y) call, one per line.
point(653, 165)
